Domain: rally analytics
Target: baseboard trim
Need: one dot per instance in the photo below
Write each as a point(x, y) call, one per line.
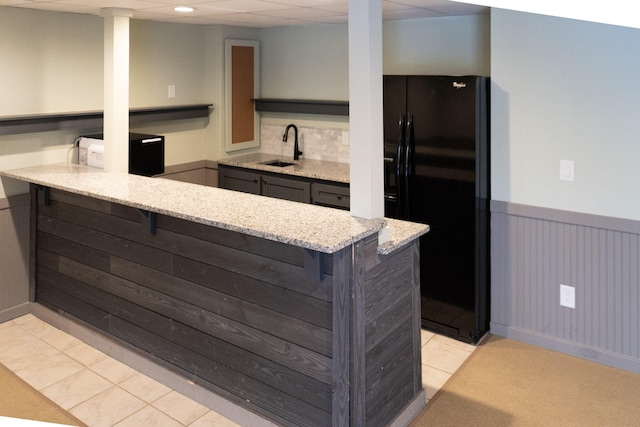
point(412, 409)
point(15, 311)
point(567, 347)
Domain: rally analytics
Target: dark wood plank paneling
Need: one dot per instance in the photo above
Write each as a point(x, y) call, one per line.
point(388, 396)
point(243, 242)
point(393, 267)
point(244, 386)
point(282, 300)
point(267, 270)
point(33, 242)
point(384, 353)
point(417, 315)
point(272, 271)
point(107, 243)
point(111, 304)
point(238, 314)
point(293, 383)
point(90, 203)
point(251, 314)
point(47, 259)
point(298, 358)
point(72, 250)
point(341, 338)
point(378, 331)
point(48, 291)
point(358, 337)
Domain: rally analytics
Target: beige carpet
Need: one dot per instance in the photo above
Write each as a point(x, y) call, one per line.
point(508, 383)
point(19, 400)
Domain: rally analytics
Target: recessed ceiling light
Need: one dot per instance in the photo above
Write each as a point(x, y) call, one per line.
point(184, 9)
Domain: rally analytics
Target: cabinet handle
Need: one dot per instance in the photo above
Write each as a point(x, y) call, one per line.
point(339, 197)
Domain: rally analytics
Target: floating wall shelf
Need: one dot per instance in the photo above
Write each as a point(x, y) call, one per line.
point(52, 122)
point(303, 106)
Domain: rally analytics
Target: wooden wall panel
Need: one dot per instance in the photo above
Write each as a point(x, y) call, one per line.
point(239, 315)
point(392, 379)
point(179, 296)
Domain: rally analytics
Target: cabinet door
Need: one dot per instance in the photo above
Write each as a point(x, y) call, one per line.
point(239, 180)
point(288, 189)
point(335, 196)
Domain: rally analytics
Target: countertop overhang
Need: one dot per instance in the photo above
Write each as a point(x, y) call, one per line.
point(311, 227)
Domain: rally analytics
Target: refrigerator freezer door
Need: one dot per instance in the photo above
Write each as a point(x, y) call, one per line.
point(443, 184)
point(395, 106)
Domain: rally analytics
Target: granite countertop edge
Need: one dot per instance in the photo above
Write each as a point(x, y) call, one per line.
point(311, 227)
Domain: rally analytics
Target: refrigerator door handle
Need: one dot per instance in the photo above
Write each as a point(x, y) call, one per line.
point(400, 164)
point(408, 140)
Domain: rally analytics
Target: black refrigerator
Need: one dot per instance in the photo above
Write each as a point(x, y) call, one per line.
point(436, 155)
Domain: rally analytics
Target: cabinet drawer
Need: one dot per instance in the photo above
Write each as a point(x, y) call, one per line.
point(239, 180)
point(288, 189)
point(335, 196)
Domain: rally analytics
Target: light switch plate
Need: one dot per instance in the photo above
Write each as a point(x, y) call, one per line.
point(567, 170)
point(171, 91)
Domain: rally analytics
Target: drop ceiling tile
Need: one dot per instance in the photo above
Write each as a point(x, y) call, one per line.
point(273, 12)
point(245, 6)
point(301, 13)
point(309, 3)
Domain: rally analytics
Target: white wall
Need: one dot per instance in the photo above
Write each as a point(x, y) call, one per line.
point(56, 65)
point(313, 62)
point(165, 54)
point(50, 62)
point(53, 63)
point(565, 89)
point(452, 46)
point(305, 62)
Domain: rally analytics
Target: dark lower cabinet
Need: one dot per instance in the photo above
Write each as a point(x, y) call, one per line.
point(333, 196)
point(287, 189)
point(281, 186)
point(239, 180)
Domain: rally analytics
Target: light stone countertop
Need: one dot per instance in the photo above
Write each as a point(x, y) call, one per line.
point(308, 168)
point(308, 226)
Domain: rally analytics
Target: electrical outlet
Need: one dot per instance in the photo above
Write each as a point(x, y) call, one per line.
point(171, 91)
point(567, 296)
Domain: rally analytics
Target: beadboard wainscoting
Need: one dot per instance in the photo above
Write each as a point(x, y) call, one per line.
point(14, 256)
point(534, 250)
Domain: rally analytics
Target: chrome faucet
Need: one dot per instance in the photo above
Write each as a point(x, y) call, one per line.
point(296, 151)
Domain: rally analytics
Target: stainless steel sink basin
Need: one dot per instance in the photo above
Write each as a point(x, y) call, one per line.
point(277, 163)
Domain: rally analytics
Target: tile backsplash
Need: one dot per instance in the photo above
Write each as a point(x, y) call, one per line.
point(315, 143)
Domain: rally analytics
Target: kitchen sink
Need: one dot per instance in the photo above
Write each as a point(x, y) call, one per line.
point(277, 163)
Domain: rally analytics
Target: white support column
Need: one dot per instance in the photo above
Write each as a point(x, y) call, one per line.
point(365, 108)
point(116, 89)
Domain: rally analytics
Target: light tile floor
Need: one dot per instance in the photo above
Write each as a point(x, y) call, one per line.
point(102, 391)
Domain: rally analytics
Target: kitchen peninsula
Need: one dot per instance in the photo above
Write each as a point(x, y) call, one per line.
point(293, 311)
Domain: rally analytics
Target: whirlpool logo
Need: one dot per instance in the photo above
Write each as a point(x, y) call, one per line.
point(459, 85)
